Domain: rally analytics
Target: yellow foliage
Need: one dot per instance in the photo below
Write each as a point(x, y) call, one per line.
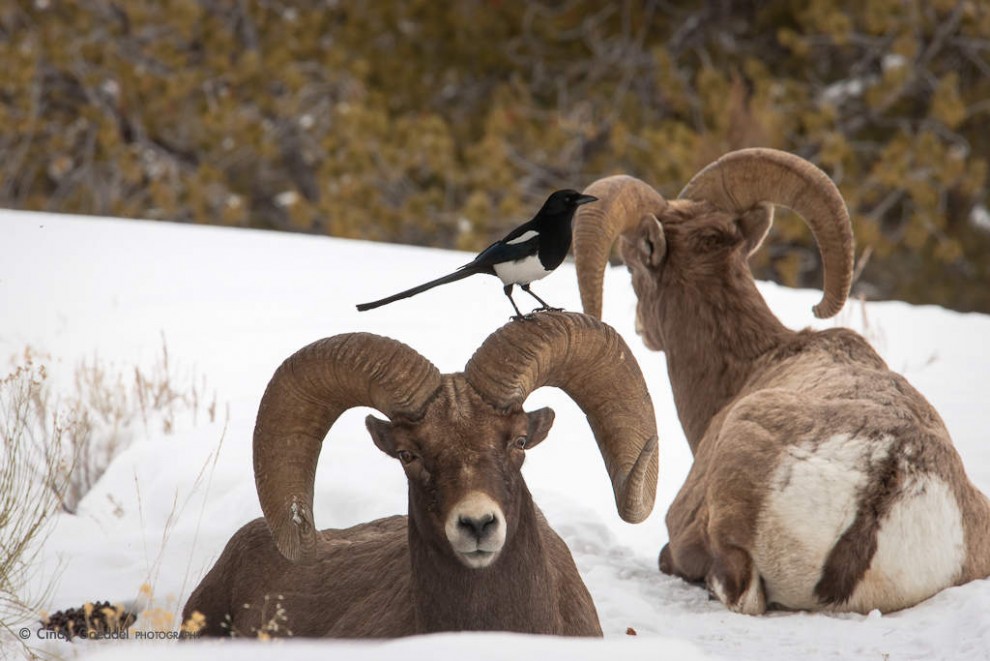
point(866, 231)
point(889, 88)
point(916, 234)
point(788, 268)
point(879, 16)
point(670, 83)
point(444, 123)
point(906, 46)
point(948, 250)
point(923, 193)
point(835, 150)
point(948, 106)
point(194, 624)
point(793, 41)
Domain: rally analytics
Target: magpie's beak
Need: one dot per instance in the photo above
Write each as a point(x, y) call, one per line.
point(584, 199)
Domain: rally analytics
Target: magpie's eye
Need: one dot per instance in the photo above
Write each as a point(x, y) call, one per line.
point(520, 443)
point(405, 456)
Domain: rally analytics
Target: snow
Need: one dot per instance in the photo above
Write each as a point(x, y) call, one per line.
point(232, 304)
point(979, 217)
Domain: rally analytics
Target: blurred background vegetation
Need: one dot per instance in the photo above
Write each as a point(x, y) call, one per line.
point(446, 122)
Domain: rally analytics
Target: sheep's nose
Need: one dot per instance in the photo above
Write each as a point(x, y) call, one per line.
point(476, 529)
point(479, 526)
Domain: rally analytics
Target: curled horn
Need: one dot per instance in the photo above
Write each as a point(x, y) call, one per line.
point(306, 395)
point(623, 201)
point(590, 362)
point(742, 179)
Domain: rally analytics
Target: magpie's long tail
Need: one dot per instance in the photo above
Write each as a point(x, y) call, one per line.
point(460, 274)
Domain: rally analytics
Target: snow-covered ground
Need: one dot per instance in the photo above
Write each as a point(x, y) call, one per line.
point(231, 304)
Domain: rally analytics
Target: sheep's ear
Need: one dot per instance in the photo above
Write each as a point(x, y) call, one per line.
point(650, 241)
point(754, 225)
point(381, 434)
point(540, 422)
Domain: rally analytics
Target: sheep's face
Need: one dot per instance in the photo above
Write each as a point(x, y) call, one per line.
point(463, 461)
point(690, 245)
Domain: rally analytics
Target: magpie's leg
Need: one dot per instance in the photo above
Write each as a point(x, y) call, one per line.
point(545, 308)
point(519, 315)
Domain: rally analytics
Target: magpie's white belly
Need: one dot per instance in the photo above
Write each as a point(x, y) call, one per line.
point(521, 272)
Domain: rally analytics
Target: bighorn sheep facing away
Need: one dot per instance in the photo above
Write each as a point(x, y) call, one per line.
point(821, 479)
point(474, 553)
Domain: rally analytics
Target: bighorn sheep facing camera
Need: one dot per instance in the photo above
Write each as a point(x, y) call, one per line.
point(474, 553)
point(821, 479)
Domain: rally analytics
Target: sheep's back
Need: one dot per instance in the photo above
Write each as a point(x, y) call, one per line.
point(859, 495)
point(358, 587)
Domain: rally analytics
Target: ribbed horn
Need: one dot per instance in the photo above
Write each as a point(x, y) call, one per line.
point(590, 362)
point(623, 201)
point(742, 179)
point(306, 395)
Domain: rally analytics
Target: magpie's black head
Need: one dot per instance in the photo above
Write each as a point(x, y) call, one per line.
point(565, 202)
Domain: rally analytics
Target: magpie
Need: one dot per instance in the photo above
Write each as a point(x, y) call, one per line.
point(529, 252)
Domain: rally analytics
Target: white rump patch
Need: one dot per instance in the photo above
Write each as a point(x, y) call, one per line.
point(811, 502)
point(814, 497)
point(920, 548)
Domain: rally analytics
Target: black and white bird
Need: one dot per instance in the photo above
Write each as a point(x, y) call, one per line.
point(526, 254)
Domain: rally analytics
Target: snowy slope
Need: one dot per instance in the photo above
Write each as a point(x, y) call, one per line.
point(231, 304)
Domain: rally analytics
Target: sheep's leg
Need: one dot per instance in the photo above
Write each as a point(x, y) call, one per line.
point(735, 493)
point(690, 566)
point(687, 555)
point(705, 549)
point(734, 579)
point(733, 576)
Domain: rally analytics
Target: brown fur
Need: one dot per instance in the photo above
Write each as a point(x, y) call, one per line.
point(398, 576)
point(474, 553)
point(750, 392)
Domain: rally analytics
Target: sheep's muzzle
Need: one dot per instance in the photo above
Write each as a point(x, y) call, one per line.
point(475, 528)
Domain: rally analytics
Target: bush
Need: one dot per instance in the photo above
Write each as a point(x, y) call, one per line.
point(108, 407)
point(33, 476)
point(444, 123)
point(56, 448)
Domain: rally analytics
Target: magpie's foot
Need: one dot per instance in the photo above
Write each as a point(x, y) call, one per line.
point(523, 317)
point(547, 308)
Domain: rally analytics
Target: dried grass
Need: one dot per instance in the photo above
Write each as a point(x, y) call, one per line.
point(55, 449)
point(33, 470)
point(110, 408)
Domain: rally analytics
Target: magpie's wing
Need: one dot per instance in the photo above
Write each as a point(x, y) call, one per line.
point(524, 231)
point(503, 251)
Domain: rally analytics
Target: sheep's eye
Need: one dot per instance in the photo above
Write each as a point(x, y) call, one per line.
point(405, 456)
point(520, 443)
